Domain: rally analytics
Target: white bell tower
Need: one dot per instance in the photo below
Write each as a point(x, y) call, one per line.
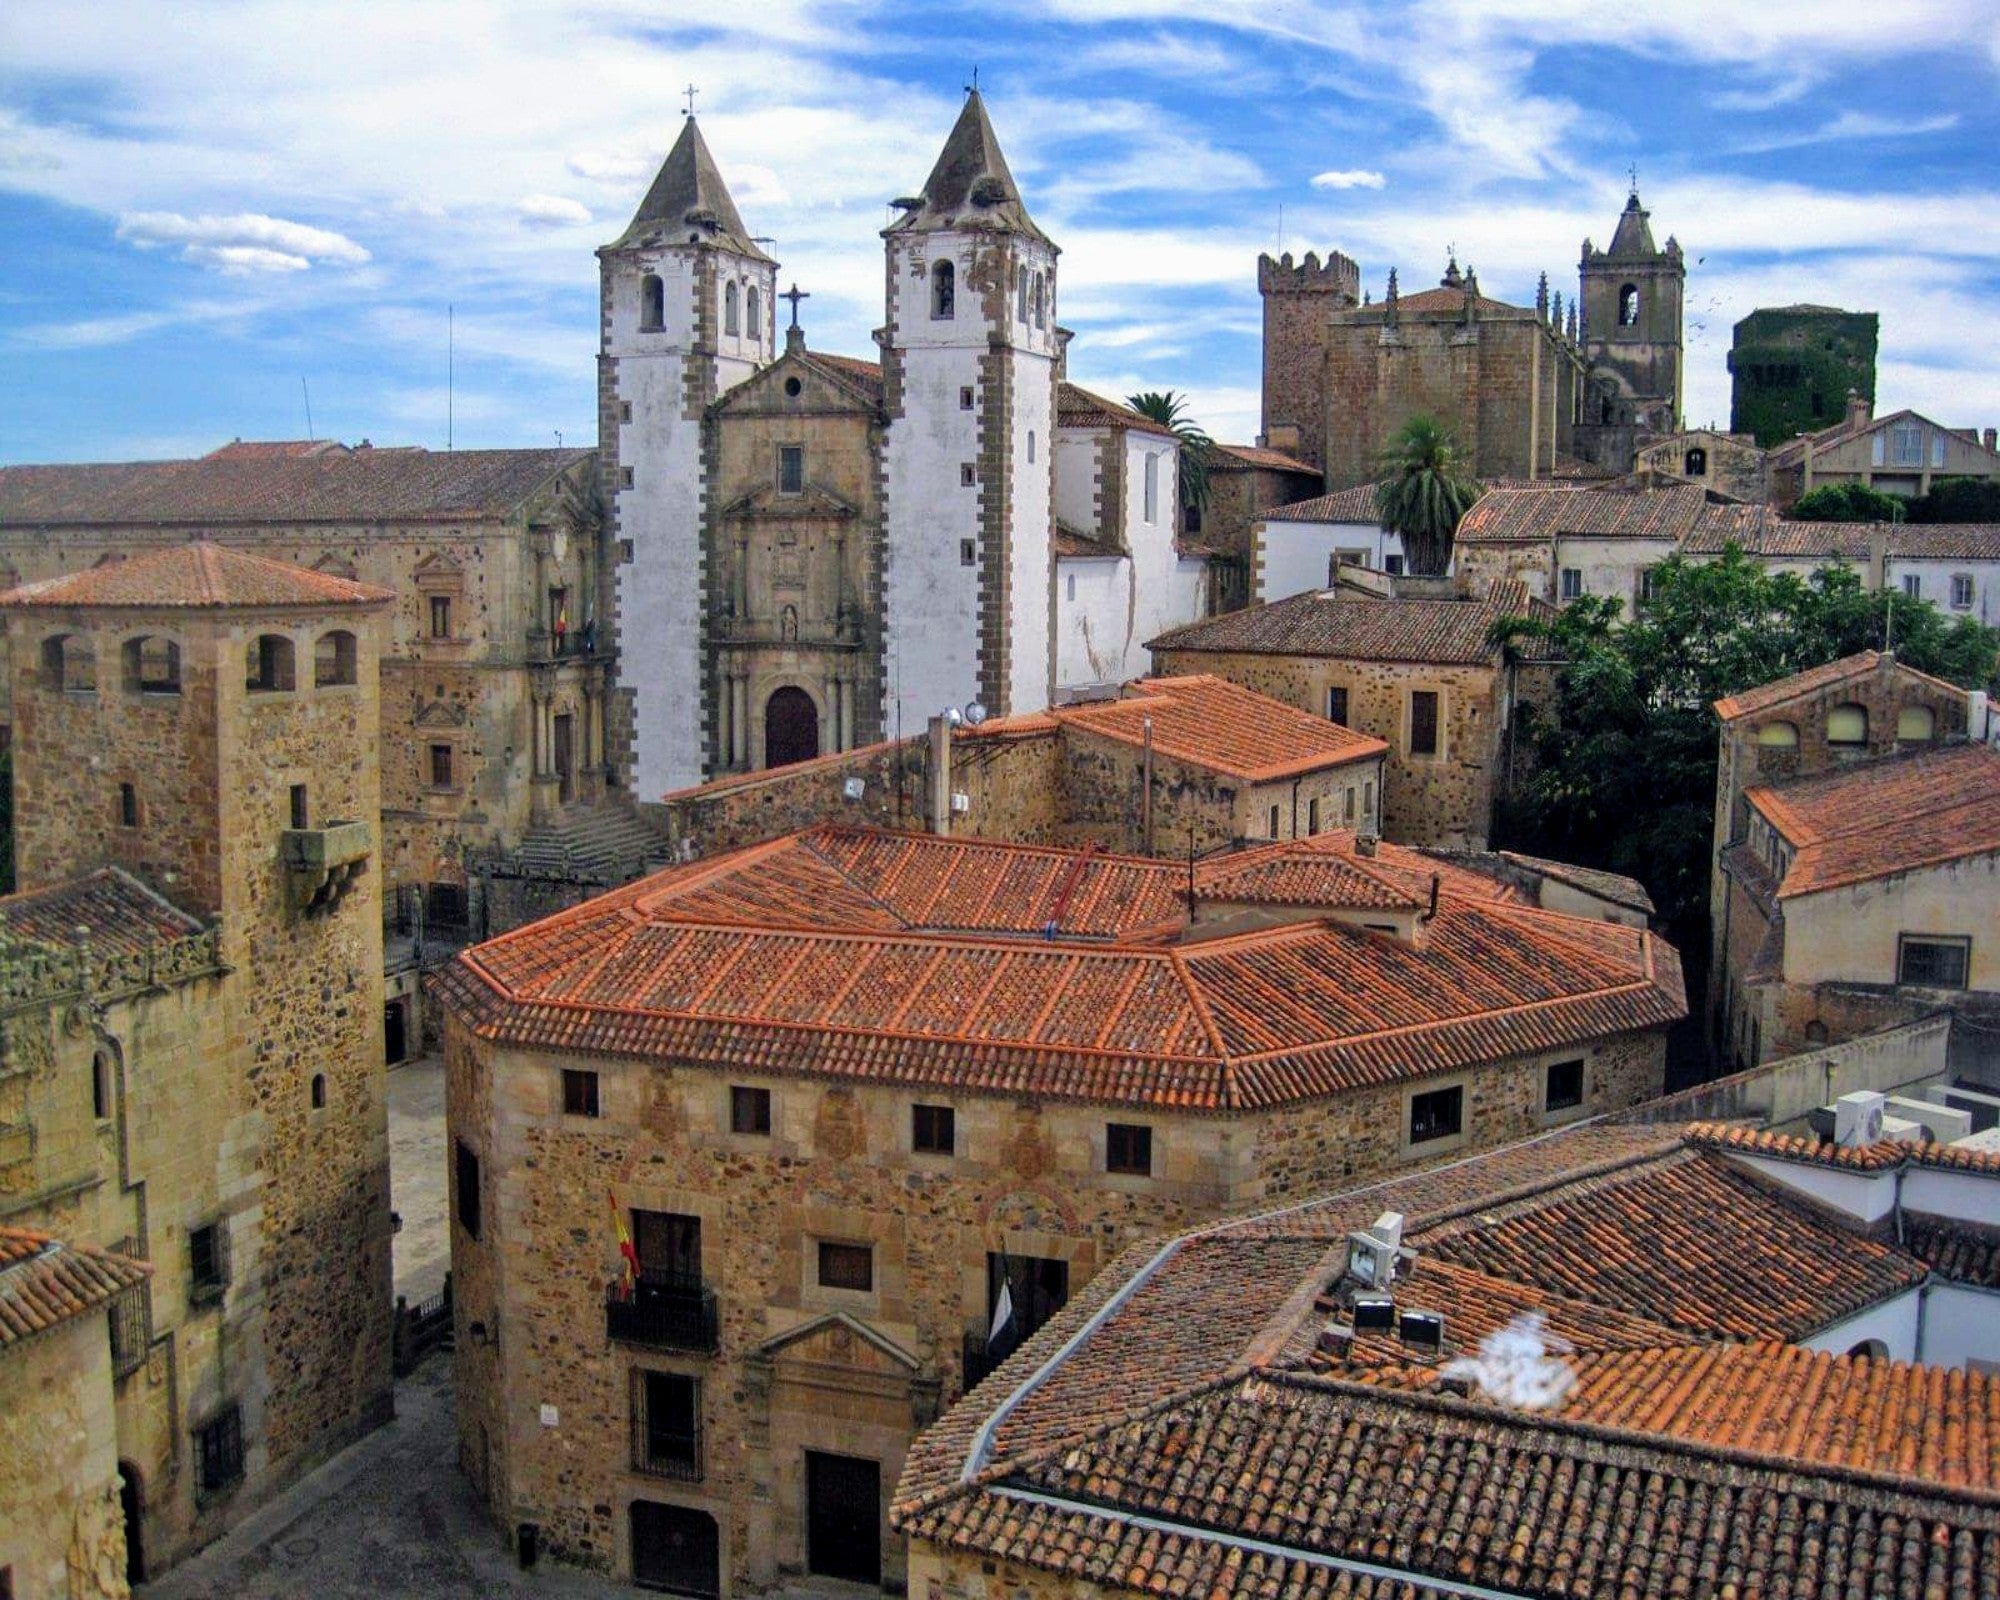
point(685, 313)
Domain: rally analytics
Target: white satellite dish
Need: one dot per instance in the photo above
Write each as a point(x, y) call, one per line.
point(974, 714)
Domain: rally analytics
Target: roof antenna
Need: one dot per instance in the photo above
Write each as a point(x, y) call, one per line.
point(1190, 878)
point(309, 408)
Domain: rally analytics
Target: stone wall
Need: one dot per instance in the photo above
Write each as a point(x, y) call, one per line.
point(1791, 369)
point(1297, 303)
point(61, 1536)
point(1444, 800)
point(545, 1397)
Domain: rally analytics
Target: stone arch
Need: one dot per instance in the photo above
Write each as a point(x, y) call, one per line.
point(152, 664)
point(132, 1511)
point(944, 291)
point(791, 727)
point(652, 304)
point(1628, 306)
point(1695, 463)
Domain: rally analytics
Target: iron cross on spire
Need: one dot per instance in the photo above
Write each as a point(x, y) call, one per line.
point(795, 294)
point(1633, 171)
point(690, 91)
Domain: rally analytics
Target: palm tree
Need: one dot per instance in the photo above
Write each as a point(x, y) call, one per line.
point(1423, 493)
point(1170, 411)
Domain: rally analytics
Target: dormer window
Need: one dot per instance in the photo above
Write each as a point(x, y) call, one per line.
point(652, 304)
point(944, 292)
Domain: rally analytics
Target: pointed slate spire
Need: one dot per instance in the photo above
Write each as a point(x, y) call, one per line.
point(970, 186)
point(1635, 234)
point(689, 203)
point(1391, 302)
point(1542, 297)
point(1452, 276)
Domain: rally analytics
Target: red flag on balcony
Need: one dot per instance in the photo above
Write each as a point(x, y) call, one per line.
point(626, 1248)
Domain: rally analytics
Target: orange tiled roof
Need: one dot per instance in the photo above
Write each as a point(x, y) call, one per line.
point(122, 916)
point(1210, 722)
point(1895, 815)
point(1523, 515)
point(1743, 1139)
point(44, 1282)
point(1351, 505)
point(1256, 455)
point(1814, 680)
point(1354, 627)
point(1078, 407)
point(334, 486)
point(199, 575)
point(853, 952)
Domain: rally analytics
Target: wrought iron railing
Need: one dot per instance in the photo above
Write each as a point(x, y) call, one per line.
point(665, 1452)
point(663, 1311)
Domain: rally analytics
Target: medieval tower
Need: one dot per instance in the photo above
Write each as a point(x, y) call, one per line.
point(1631, 333)
point(969, 380)
point(685, 313)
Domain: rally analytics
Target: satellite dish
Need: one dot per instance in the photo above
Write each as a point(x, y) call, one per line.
point(974, 714)
point(954, 716)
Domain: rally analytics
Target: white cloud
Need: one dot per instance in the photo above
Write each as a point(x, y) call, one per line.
point(246, 243)
point(551, 211)
point(1854, 125)
point(1354, 178)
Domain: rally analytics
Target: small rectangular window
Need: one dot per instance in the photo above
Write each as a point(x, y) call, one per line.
point(1336, 706)
point(1347, 806)
point(624, 410)
point(301, 806)
point(1572, 583)
point(467, 1165)
point(749, 1109)
point(1438, 1114)
point(440, 766)
point(626, 479)
point(1271, 829)
point(218, 1450)
point(1128, 1148)
point(1646, 582)
point(1913, 586)
point(1393, 565)
point(579, 1093)
point(666, 1424)
point(128, 806)
point(440, 616)
point(1564, 1086)
point(968, 553)
point(208, 1263)
point(1152, 488)
point(968, 475)
point(1312, 815)
point(965, 398)
point(1961, 591)
point(846, 1266)
point(1935, 963)
point(791, 468)
point(1368, 798)
point(1423, 722)
point(933, 1130)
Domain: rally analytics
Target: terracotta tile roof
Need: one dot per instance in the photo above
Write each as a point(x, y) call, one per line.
point(44, 1282)
point(1354, 505)
point(1760, 531)
point(1209, 722)
point(1227, 457)
point(198, 576)
point(266, 449)
point(1692, 1243)
point(1524, 516)
point(852, 371)
point(1743, 1139)
point(1811, 681)
point(1961, 1254)
point(121, 915)
point(1353, 627)
point(354, 486)
point(1077, 407)
point(857, 953)
point(1895, 815)
point(1075, 543)
point(1945, 541)
point(1954, 1158)
point(1612, 886)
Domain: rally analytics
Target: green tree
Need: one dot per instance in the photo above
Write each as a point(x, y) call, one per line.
point(1170, 410)
point(1959, 500)
point(1848, 502)
point(1424, 494)
point(1627, 767)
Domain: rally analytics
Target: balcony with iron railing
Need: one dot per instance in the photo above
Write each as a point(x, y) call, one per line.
point(662, 1311)
point(977, 1359)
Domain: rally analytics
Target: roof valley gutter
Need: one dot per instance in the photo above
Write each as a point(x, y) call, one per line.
point(1281, 1552)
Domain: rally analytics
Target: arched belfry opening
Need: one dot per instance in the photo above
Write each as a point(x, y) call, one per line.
point(791, 728)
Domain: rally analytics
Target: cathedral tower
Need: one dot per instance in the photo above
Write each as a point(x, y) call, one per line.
point(969, 377)
point(685, 313)
point(1632, 324)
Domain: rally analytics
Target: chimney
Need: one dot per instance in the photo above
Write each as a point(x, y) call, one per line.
point(1364, 844)
point(1858, 407)
point(939, 798)
point(1336, 1339)
point(1991, 440)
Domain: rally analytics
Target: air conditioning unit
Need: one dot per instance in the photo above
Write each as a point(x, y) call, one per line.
point(854, 788)
point(1857, 1119)
point(1947, 1123)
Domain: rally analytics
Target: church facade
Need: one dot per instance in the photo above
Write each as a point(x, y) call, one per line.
point(818, 550)
point(1528, 391)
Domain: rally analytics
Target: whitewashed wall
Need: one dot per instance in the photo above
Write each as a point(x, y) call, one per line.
point(1892, 1321)
point(1293, 557)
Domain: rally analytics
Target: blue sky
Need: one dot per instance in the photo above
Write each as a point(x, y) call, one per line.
point(207, 210)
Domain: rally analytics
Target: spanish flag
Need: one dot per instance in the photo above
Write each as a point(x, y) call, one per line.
point(625, 1247)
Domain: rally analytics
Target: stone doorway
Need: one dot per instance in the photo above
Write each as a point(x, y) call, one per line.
point(565, 757)
point(396, 1032)
point(131, 1506)
point(843, 1517)
point(675, 1549)
point(791, 728)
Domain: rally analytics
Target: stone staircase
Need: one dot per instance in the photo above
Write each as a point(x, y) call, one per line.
point(601, 845)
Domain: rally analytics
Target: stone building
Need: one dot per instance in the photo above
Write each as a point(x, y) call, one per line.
point(61, 1531)
point(1523, 389)
point(825, 551)
point(1244, 483)
point(1854, 860)
point(1564, 543)
point(1901, 454)
point(192, 1016)
point(494, 678)
point(1420, 674)
point(854, 1095)
point(1729, 463)
point(1626, 1358)
point(1792, 367)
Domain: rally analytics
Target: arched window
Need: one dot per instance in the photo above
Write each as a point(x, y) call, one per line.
point(652, 304)
point(753, 312)
point(1628, 306)
point(268, 666)
point(729, 309)
point(103, 1075)
point(1847, 725)
point(944, 292)
point(1021, 293)
point(1041, 317)
point(1779, 736)
point(152, 665)
point(334, 659)
point(1695, 464)
point(69, 662)
point(1916, 725)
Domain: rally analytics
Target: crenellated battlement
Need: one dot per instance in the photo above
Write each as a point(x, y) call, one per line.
point(1337, 275)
